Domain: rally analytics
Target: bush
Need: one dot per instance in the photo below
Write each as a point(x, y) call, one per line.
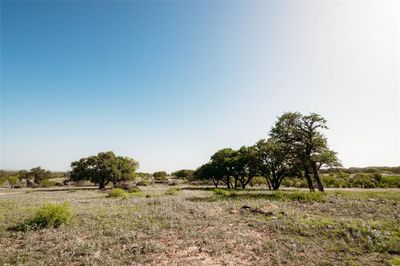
point(134, 190)
point(117, 193)
point(13, 181)
point(390, 182)
point(258, 181)
point(172, 191)
point(49, 215)
point(224, 192)
point(144, 182)
point(160, 176)
point(52, 215)
point(47, 183)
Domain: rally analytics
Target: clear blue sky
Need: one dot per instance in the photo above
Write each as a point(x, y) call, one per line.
point(169, 83)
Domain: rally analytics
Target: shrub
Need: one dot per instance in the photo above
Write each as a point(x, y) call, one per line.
point(144, 182)
point(224, 192)
point(390, 182)
point(134, 190)
point(117, 193)
point(47, 183)
point(172, 191)
point(48, 215)
point(13, 181)
point(258, 181)
point(52, 215)
point(160, 176)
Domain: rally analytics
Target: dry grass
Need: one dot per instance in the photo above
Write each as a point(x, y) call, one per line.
point(167, 226)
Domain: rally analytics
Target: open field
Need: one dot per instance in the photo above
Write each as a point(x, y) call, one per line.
point(194, 226)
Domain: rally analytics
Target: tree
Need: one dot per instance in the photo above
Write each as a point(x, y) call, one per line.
point(160, 175)
point(246, 165)
point(103, 168)
point(183, 174)
point(36, 175)
point(274, 162)
point(224, 161)
point(209, 171)
point(13, 180)
point(308, 145)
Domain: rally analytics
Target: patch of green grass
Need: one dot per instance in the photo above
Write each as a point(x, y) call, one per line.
point(278, 195)
point(367, 195)
point(350, 235)
point(117, 193)
point(300, 196)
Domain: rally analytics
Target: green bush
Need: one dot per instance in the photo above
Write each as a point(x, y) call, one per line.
point(390, 182)
point(258, 181)
point(224, 192)
point(47, 183)
point(144, 182)
point(13, 181)
point(117, 193)
point(52, 215)
point(134, 190)
point(48, 215)
point(172, 191)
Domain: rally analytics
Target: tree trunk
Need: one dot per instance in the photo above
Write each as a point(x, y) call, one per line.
point(102, 185)
point(268, 183)
point(316, 177)
point(215, 183)
point(228, 182)
point(309, 181)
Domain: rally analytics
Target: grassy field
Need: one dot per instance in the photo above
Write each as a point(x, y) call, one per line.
point(194, 226)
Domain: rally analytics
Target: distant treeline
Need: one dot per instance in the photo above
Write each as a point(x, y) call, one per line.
point(369, 170)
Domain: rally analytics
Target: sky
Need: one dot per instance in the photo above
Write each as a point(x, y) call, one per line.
point(169, 83)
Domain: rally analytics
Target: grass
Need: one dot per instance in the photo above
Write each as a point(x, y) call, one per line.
point(276, 195)
point(169, 227)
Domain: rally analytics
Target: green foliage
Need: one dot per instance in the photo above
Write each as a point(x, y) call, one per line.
point(117, 193)
point(36, 174)
point(52, 215)
point(223, 192)
point(134, 190)
point(296, 146)
point(258, 181)
point(13, 180)
point(103, 168)
point(48, 215)
point(48, 183)
point(395, 261)
point(144, 182)
point(172, 191)
point(183, 174)
point(160, 176)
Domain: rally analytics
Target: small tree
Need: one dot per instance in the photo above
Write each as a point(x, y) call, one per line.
point(308, 145)
point(209, 171)
point(13, 180)
point(183, 174)
point(36, 175)
point(160, 175)
point(104, 168)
